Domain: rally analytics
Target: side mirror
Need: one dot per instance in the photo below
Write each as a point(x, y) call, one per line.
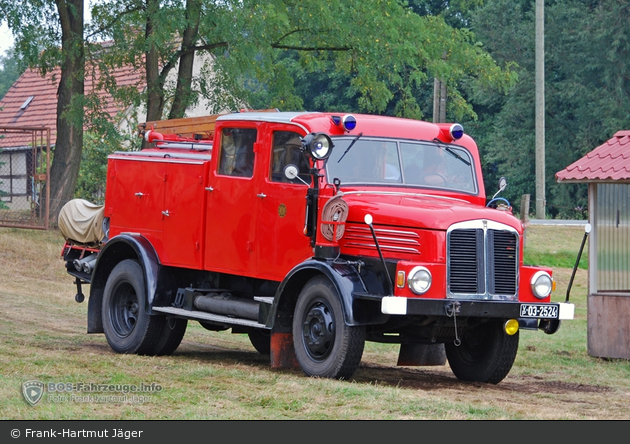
point(502, 186)
point(291, 172)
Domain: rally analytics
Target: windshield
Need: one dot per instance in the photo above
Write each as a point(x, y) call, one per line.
point(372, 161)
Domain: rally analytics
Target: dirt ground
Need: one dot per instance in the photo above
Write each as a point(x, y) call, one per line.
point(553, 378)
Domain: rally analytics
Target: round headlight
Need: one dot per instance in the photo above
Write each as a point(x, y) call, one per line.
point(419, 280)
point(318, 145)
point(542, 284)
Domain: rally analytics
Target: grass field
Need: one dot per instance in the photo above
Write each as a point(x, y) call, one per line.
point(219, 375)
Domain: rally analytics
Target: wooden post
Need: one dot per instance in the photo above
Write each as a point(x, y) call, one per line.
point(540, 109)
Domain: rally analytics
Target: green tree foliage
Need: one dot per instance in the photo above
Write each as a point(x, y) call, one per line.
point(261, 52)
point(449, 51)
point(93, 174)
point(10, 70)
point(382, 52)
point(587, 89)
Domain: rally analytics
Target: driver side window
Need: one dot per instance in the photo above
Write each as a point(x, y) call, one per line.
point(287, 151)
point(237, 152)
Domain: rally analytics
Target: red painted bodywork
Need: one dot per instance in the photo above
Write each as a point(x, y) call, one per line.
point(199, 219)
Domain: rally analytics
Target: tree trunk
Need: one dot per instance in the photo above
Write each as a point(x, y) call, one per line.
point(183, 91)
point(64, 170)
point(155, 95)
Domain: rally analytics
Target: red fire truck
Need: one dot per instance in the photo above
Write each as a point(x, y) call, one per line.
point(312, 233)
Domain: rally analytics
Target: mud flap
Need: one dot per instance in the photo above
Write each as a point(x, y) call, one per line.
point(283, 352)
point(421, 355)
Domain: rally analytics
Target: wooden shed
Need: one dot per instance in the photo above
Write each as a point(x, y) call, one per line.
point(606, 169)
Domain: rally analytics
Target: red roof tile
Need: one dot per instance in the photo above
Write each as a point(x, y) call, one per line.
point(42, 108)
point(608, 162)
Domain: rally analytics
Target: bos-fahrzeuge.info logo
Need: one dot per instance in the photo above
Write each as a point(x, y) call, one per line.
point(33, 392)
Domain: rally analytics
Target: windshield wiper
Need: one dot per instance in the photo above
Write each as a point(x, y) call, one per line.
point(350, 146)
point(451, 152)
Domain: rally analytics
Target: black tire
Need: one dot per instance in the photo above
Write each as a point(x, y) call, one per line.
point(324, 345)
point(261, 340)
point(173, 332)
point(127, 326)
point(486, 353)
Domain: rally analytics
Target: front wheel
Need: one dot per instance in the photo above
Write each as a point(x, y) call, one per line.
point(324, 345)
point(486, 353)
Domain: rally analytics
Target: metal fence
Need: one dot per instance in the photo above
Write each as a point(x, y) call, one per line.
point(25, 158)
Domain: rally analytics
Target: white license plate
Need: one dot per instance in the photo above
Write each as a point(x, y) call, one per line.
point(539, 311)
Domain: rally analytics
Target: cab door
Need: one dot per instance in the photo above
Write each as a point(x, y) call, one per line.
point(232, 200)
point(281, 217)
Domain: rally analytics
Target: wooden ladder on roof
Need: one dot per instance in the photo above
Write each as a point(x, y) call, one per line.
point(202, 127)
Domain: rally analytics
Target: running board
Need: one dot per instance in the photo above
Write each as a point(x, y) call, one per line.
point(194, 314)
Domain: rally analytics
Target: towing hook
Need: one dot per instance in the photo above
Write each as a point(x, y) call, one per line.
point(452, 308)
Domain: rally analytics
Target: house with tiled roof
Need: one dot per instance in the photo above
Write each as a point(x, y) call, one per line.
point(31, 103)
point(606, 170)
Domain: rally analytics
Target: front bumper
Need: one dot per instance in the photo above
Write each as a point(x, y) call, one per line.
point(395, 305)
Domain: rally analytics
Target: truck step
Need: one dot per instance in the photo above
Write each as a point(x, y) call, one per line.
point(264, 299)
point(194, 314)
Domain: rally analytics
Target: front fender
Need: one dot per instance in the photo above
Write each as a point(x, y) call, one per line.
point(346, 281)
point(117, 249)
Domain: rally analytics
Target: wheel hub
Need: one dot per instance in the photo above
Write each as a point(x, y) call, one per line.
point(318, 331)
point(125, 312)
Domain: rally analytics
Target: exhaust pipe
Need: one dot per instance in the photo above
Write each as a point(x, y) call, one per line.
point(80, 264)
point(89, 266)
point(228, 305)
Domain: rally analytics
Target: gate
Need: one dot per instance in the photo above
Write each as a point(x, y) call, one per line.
point(25, 158)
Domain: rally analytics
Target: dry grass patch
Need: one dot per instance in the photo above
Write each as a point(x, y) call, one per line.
point(218, 375)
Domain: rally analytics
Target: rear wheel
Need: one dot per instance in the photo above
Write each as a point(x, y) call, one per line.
point(173, 332)
point(261, 340)
point(486, 353)
point(324, 345)
point(126, 323)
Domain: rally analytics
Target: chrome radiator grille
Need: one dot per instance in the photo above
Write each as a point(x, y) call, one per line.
point(482, 261)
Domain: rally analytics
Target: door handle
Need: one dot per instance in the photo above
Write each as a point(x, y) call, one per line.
point(165, 213)
point(261, 195)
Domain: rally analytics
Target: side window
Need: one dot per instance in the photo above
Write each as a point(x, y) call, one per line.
point(237, 152)
point(286, 151)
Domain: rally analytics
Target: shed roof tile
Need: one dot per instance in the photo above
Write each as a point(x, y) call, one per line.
point(608, 162)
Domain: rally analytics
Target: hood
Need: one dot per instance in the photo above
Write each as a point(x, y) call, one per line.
point(417, 210)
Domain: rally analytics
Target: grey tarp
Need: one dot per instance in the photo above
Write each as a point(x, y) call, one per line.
point(81, 221)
